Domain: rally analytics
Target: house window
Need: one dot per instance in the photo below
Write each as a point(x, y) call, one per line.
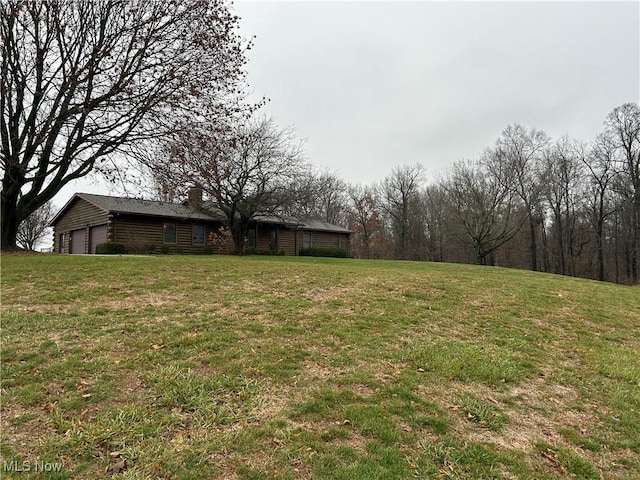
point(61, 246)
point(169, 233)
point(197, 235)
point(273, 240)
point(253, 243)
point(336, 241)
point(306, 240)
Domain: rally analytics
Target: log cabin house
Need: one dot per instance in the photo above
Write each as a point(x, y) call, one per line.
point(146, 226)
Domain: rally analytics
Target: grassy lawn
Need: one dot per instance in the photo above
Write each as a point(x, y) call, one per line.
point(285, 368)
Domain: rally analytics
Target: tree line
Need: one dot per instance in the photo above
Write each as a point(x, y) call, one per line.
point(528, 201)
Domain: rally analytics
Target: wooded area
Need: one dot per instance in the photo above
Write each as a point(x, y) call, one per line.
point(528, 202)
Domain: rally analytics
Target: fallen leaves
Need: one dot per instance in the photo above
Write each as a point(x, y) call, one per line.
point(117, 467)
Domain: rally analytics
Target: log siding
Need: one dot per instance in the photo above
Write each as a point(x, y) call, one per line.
point(138, 224)
point(79, 215)
point(321, 239)
point(290, 240)
point(144, 235)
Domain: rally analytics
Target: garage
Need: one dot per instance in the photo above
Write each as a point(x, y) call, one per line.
point(97, 235)
point(78, 241)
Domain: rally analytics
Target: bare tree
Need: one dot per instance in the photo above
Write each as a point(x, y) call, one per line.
point(623, 228)
point(161, 186)
point(623, 126)
point(321, 195)
point(84, 81)
point(600, 163)
point(516, 160)
point(33, 228)
point(434, 198)
point(400, 200)
point(484, 207)
point(563, 168)
point(365, 220)
point(245, 174)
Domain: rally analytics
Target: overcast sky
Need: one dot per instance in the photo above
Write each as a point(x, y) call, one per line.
point(370, 85)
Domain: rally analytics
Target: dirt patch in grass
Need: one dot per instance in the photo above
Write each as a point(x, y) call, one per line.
point(124, 302)
point(23, 425)
point(314, 371)
point(537, 412)
point(41, 308)
point(135, 302)
point(273, 403)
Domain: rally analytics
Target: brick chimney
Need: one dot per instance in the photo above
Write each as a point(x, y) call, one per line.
point(194, 198)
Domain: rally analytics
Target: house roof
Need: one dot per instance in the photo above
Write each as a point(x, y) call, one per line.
point(137, 206)
point(279, 220)
point(301, 223)
point(152, 208)
point(319, 225)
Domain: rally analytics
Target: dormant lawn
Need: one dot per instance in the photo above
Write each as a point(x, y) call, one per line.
point(293, 368)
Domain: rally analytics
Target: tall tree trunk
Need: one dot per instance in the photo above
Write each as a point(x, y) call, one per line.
point(9, 229)
point(365, 241)
point(599, 246)
point(533, 246)
point(627, 260)
point(238, 233)
point(616, 237)
point(545, 250)
point(9, 221)
point(634, 252)
point(480, 254)
point(561, 248)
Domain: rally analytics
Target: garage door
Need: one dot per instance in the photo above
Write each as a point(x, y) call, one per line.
point(78, 241)
point(97, 235)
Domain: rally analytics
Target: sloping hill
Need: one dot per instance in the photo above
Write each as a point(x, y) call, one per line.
point(257, 367)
